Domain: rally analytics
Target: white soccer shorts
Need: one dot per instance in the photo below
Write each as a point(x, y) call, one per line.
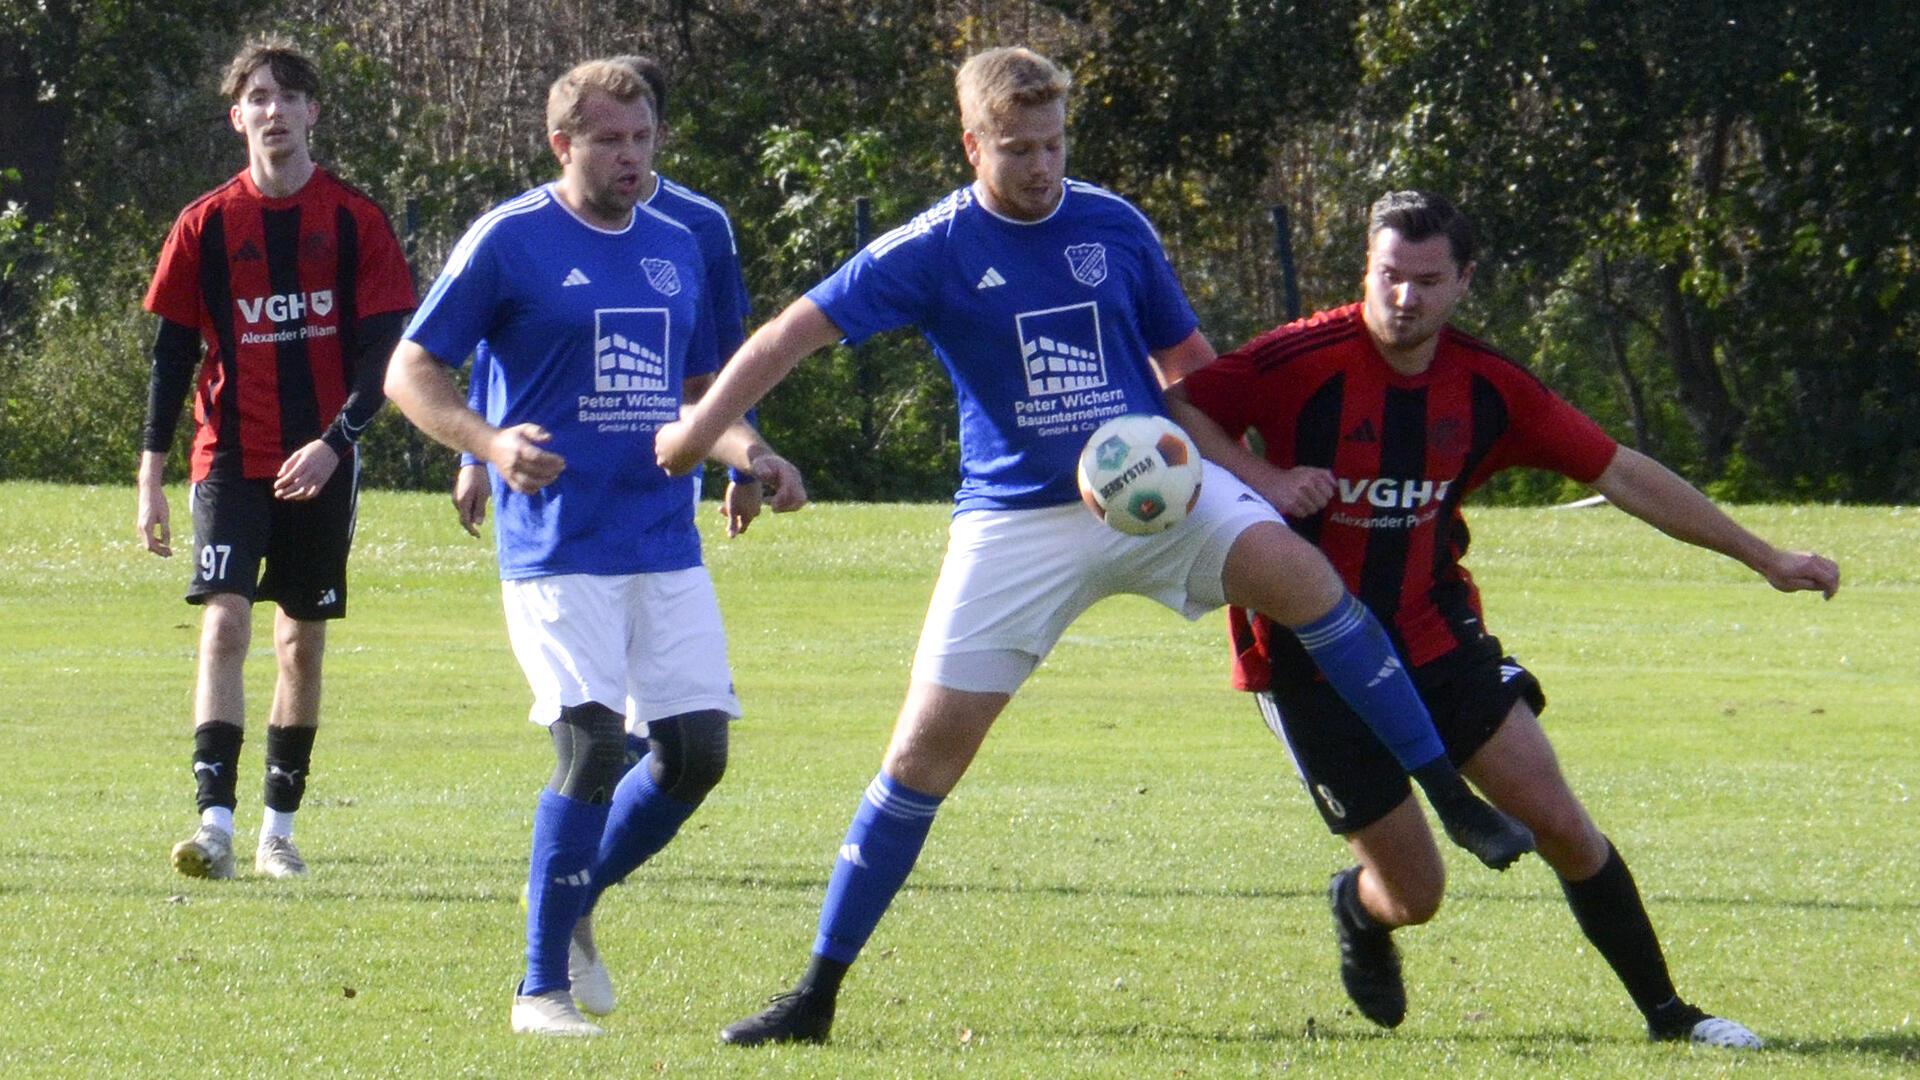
point(1013, 580)
point(652, 642)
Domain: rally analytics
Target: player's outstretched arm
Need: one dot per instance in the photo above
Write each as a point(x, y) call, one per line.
point(1653, 493)
point(422, 388)
point(758, 367)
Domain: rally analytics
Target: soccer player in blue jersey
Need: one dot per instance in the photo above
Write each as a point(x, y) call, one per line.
point(726, 297)
point(1053, 308)
point(591, 315)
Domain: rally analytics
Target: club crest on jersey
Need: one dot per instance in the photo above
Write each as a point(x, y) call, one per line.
point(1060, 349)
point(630, 349)
point(662, 276)
point(1088, 263)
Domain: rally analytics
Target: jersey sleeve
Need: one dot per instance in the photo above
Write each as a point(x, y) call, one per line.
point(1549, 433)
point(1166, 318)
point(385, 280)
point(703, 355)
point(887, 285)
point(459, 309)
point(727, 295)
point(174, 294)
point(1226, 390)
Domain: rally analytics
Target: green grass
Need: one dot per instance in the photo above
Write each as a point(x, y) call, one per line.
point(1129, 883)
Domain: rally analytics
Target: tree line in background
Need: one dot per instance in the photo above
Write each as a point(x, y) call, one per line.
point(1699, 218)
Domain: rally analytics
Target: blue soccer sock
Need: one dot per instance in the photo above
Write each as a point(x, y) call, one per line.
point(639, 823)
point(1352, 650)
point(880, 849)
point(566, 836)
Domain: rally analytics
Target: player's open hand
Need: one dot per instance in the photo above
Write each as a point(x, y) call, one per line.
point(1796, 571)
point(153, 520)
point(516, 453)
point(1298, 492)
point(470, 495)
point(673, 448)
point(781, 481)
point(741, 505)
point(305, 472)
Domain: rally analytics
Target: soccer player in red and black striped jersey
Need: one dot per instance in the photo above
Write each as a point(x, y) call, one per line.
point(1377, 420)
point(295, 286)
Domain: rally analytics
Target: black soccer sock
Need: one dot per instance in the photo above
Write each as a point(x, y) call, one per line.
point(1611, 914)
point(216, 756)
point(289, 754)
point(822, 979)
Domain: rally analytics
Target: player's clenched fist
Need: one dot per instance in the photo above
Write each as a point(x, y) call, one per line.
point(673, 448)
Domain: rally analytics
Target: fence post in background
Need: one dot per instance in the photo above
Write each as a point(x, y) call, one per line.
point(1283, 254)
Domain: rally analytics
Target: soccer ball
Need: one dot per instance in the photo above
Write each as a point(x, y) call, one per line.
point(1140, 474)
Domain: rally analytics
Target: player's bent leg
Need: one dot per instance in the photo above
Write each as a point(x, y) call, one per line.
point(1402, 878)
point(687, 756)
point(1399, 882)
point(1518, 770)
point(938, 732)
point(1273, 571)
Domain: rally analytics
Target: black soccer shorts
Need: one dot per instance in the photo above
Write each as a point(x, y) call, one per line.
point(1352, 777)
point(238, 524)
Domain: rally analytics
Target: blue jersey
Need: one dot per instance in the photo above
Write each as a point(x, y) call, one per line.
point(1044, 327)
point(725, 289)
point(588, 333)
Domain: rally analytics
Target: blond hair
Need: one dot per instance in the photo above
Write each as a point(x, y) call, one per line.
point(993, 83)
point(566, 99)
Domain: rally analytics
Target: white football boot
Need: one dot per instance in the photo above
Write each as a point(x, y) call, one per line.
point(276, 857)
point(551, 1013)
point(208, 853)
point(1724, 1033)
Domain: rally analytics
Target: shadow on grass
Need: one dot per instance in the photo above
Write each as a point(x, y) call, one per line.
point(1900, 1047)
point(1894, 1046)
point(1316, 891)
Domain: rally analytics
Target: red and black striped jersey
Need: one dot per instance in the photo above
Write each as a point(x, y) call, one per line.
point(278, 289)
point(1404, 452)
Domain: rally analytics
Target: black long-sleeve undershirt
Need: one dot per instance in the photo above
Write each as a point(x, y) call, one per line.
point(176, 353)
point(375, 338)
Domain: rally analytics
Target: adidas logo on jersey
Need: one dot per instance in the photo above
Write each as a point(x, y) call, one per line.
point(575, 277)
point(1362, 432)
point(990, 279)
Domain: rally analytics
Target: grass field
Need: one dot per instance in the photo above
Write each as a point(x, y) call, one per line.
point(1130, 882)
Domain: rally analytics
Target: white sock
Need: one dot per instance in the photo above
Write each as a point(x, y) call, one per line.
point(276, 823)
point(218, 817)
